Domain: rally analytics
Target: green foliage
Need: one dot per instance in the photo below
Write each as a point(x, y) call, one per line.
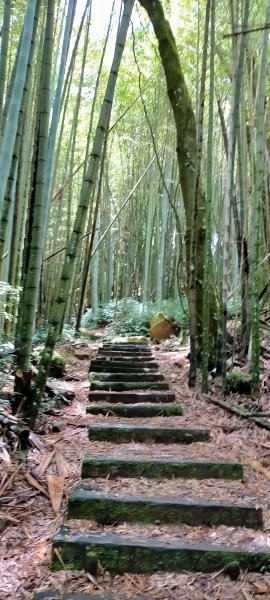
point(6, 352)
point(10, 292)
point(238, 381)
point(67, 336)
point(234, 308)
point(129, 316)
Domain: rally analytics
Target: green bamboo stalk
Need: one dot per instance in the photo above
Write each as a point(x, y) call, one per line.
point(164, 221)
point(149, 233)
point(11, 126)
point(256, 222)
point(234, 119)
point(4, 54)
point(15, 168)
point(75, 125)
point(57, 107)
point(193, 271)
point(88, 185)
point(209, 199)
point(31, 288)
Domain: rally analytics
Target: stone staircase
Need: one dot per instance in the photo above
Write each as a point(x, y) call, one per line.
point(126, 383)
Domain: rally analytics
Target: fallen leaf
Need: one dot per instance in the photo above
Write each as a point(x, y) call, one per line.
point(34, 483)
point(56, 551)
point(5, 456)
point(56, 490)
point(61, 463)
point(94, 581)
point(45, 461)
point(36, 441)
point(8, 518)
point(257, 467)
point(8, 481)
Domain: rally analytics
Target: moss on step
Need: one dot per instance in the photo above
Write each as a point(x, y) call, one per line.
point(145, 433)
point(123, 365)
point(58, 365)
point(136, 410)
point(122, 355)
point(238, 381)
point(119, 555)
point(109, 509)
point(93, 466)
point(131, 397)
point(125, 377)
point(142, 348)
point(120, 386)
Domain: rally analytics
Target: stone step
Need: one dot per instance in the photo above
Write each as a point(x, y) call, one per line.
point(125, 365)
point(121, 386)
point(126, 355)
point(115, 367)
point(126, 347)
point(120, 434)
point(95, 466)
point(136, 410)
point(138, 362)
point(131, 397)
point(109, 509)
point(127, 376)
point(56, 595)
point(118, 554)
point(143, 344)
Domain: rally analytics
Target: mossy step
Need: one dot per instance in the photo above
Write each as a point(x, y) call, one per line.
point(121, 354)
point(119, 555)
point(146, 433)
point(108, 509)
point(102, 366)
point(94, 466)
point(136, 410)
point(124, 358)
point(121, 386)
point(56, 595)
point(123, 365)
point(140, 344)
point(125, 377)
point(131, 397)
point(126, 348)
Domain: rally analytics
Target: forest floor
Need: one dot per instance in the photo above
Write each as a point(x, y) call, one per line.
point(28, 520)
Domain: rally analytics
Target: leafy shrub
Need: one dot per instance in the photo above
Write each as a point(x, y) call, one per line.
point(234, 308)
point(10, 293)
point(6, 357)
point(129, 316)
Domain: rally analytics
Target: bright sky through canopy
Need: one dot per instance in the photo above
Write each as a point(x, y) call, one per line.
point(101, 10)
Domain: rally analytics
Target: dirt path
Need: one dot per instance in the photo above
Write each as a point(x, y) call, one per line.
point(26, 542)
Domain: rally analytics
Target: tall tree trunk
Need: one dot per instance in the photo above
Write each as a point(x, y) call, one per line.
point(87, 187)
point(57, 106)
point(10, 131)
point(209, 196)
point(92, 217)
point(256, 229)
point(4, 55)
point(32, 281)
point(15, 168)
point(228, 201)
point(187, 154)
point(193, 255)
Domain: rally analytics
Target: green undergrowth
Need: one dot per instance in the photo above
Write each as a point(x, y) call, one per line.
point(129, 316)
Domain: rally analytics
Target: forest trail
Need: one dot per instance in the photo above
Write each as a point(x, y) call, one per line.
point(131, 475)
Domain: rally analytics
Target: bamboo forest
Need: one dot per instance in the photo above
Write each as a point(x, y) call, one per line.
point(134, 300)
